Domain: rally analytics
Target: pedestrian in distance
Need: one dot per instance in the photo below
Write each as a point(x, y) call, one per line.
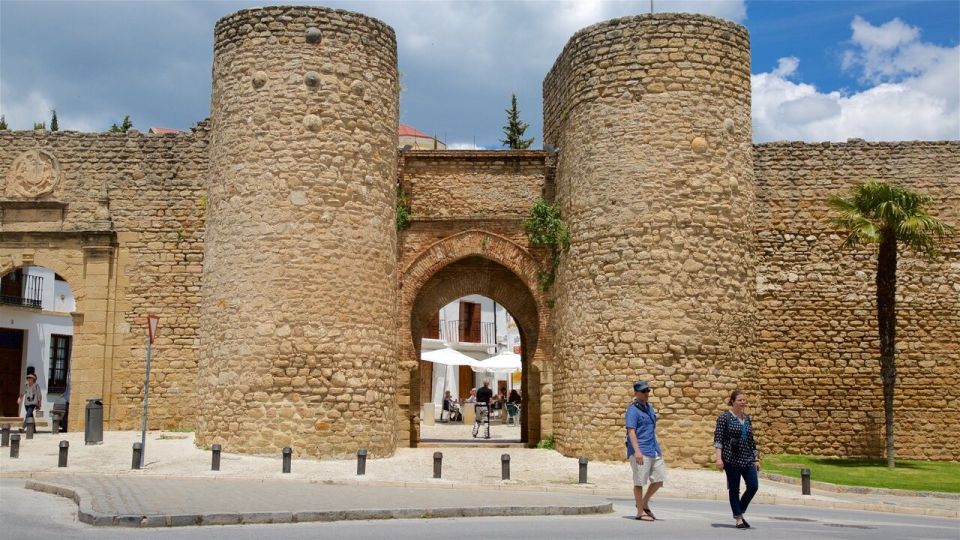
point(30, 398)
point(737, 455)
point(643, 450)
point(484, 396)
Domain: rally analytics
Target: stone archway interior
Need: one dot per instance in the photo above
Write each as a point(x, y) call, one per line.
point(478, 275)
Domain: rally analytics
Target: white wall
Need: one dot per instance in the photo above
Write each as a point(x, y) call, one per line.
point(508, 336)
point(57, 303)
point(38, 328)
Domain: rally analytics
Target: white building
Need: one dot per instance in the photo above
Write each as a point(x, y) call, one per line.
point(479, 328)
point(36, 336)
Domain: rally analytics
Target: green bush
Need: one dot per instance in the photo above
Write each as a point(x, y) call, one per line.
point(546, 228)
point(404, 212)
point(546, 443)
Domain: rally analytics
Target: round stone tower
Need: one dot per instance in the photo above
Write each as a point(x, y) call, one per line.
point(298, 322)
point(651, 115)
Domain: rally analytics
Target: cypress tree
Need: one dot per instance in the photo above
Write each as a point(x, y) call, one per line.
point(54, 125)
point(515, 128)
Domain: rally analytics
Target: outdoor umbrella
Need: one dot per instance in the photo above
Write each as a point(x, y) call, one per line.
point(503, 363)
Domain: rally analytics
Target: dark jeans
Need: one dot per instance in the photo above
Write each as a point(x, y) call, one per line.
point(738, 503)
point(28, 414)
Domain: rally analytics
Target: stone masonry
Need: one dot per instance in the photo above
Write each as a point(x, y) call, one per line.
point(292, 309)
point(658, 284)
point(300, 278)
point(817, 338)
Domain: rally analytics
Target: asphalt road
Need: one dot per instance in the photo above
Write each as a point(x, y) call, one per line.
point(29, 514)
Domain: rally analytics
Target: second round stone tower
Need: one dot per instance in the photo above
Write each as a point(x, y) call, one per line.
point(298, 321)
point(651, 115)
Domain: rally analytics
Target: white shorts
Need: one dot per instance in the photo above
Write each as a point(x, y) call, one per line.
point(654, 469)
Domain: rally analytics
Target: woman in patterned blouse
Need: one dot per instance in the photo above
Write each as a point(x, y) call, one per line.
point(737, 455)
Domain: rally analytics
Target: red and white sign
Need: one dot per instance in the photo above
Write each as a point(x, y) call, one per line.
point(152, 323)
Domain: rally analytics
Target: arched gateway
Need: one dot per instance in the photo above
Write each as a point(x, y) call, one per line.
point(475, 262)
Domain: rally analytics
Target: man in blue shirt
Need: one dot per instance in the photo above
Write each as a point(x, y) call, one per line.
point(643, 451)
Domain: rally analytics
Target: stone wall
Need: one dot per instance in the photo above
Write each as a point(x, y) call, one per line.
point(817, 331)
point(123, 222)
point(299, 314)
point(654, 176)
point(684, 269)
point(481, 185)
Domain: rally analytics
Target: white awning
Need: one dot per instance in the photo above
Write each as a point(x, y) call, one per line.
point(503, 363)
point(448, 357)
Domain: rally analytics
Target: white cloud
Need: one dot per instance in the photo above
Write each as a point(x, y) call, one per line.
point(915, 92)
point(786, 67)
point(887, 36)
point(23, 112)
point(22, 109)
point(464, 146)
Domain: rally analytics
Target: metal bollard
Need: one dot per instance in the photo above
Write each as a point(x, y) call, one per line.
point(437, 464)
point(361, 462)
point(287, 452)
point(55, 422)
point(504, 466)
point(805, 481)
point(31, 427)
point(64, 448)
point(137, 453)
point(583, 470)
point(15, 445)
point(5, 435)
point(215, 460)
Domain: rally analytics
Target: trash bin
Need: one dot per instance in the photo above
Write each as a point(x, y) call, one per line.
point(93, 425)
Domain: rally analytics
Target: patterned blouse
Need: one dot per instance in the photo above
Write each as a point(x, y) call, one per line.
point(735, 439)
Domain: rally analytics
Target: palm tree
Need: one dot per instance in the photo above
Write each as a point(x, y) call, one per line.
point(884, 214)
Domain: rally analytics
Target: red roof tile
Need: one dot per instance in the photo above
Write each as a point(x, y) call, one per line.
point(407, 131)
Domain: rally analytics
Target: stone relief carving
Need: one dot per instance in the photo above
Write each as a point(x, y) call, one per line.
point(34, 173)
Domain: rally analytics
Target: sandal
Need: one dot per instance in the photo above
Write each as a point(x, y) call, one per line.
point(647, 512)
point(645, 517)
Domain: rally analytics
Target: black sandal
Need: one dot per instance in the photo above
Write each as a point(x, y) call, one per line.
point(649, 513)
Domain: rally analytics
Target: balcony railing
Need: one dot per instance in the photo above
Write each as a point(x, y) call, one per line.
point(454, 332)
point(31, 296)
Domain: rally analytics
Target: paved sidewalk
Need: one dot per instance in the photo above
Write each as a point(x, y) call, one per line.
point(536, 473)
point(169, 502)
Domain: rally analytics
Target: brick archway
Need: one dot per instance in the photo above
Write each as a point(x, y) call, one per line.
point(476, 262)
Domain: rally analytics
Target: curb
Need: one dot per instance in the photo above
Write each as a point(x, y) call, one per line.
point(861, 490)
point(86, 513)
point(586, 489)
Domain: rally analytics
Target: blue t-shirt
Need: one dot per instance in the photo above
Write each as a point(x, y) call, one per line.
point(645, 423)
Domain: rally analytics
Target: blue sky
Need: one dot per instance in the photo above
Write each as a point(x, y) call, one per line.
point(822, 70)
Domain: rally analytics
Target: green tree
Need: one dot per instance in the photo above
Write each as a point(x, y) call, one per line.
point(515, 128)
point(887, 215)
point(54, 125)
point(123, 127)
point(39, 125)
point(3, 122)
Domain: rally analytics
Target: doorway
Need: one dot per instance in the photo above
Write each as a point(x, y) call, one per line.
point(11, 364)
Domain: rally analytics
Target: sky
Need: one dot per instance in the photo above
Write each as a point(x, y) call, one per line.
point(821, 70)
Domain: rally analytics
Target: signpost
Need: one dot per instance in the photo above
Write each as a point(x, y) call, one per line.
point(152, 323)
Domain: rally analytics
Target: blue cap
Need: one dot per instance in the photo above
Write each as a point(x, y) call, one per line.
point(640, 386)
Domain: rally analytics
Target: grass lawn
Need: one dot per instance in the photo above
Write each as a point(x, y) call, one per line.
point(908, 474)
